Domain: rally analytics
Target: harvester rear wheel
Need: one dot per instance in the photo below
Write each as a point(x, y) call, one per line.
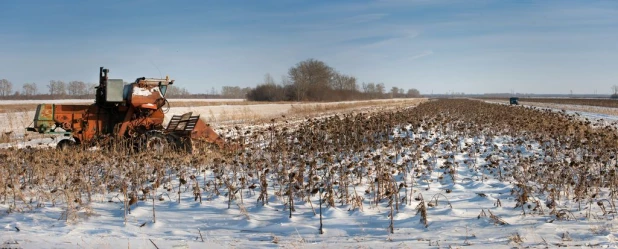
point(155, 142)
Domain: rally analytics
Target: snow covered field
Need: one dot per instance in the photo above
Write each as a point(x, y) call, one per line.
point(178, 225)
point(466, 184)
point(598, 115)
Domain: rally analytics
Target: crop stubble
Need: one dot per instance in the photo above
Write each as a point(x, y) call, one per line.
point(557, 164)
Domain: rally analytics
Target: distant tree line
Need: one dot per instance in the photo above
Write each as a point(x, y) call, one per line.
point(614, 92)
point(57, 89)
point(314, 80)
point(235, 92)
point(309, 80)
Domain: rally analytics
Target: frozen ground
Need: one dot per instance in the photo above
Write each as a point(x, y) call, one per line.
point(186, 223)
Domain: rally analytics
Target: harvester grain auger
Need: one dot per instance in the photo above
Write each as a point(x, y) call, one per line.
point(131, 113)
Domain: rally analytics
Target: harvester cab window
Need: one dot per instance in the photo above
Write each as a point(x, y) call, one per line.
point(114, 91)
point(126, 91)
point(162, 89)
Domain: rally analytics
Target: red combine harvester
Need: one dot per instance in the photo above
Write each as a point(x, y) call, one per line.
point(131, 113)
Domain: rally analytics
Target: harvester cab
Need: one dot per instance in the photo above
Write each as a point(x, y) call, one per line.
point(129, 112)
point(144, 93)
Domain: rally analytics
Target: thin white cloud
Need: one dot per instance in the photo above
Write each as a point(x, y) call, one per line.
point(421, 55)
point(364, 18)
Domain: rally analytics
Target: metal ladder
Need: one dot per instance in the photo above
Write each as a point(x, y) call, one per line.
point(184, 122)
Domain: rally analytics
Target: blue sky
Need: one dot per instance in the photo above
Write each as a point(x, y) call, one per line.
point(440, 46)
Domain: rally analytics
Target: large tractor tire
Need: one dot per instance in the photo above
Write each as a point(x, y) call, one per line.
point(65, 144)
point(186, 145)
point(155, 142)
point(180, 144)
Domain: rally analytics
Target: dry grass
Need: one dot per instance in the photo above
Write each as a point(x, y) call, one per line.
point(5, 137)
point(250, 115)
point(17, 107)
point(324, 108)
point(13, 125)
point(4, 108)
point(214, 103)
point(516, 238)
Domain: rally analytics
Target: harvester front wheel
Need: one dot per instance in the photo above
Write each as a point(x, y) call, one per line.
point(65, 144)
point(180, 144)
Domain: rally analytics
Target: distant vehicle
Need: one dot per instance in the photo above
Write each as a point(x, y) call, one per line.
point(514, 101)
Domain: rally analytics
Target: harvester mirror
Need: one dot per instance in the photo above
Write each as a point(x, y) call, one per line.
point(114, 91)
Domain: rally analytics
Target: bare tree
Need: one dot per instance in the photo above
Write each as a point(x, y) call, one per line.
point(310, 78)
point(267, 92)
point(6, 87)
point(29, 89)
point(229, 91)
point(62, 88)
point(57, 88)
point(77, 88)
point(174, 91)
point(350, 84)
point(234, 91)
point(25, 89)
point(380, 88)
point(268, 80)
point(343, 87)
point(342, 82)
point(90, 88)
point(369, 88)
point(337, 81)
point(394, 92)
point(52, 86)
point(285, 80)
point(413, 93)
